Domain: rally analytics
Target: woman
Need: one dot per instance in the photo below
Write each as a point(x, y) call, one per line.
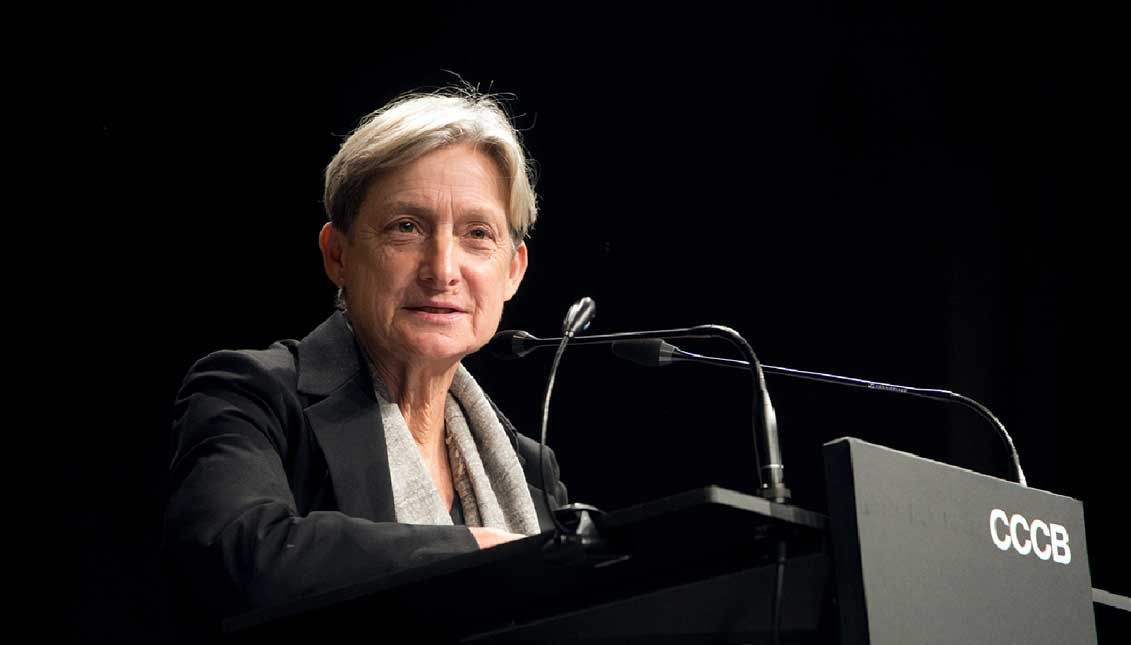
point(366, 447)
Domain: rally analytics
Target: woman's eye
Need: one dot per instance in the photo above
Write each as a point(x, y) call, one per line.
point(480, 234)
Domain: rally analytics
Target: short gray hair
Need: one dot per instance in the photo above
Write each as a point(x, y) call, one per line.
point(415, 124)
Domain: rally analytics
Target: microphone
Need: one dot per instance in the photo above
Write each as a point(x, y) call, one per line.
point(512, 343)
point(658, 353)
point(650, 353)
point(579, 525)
point(515, 344)
point(579, 316)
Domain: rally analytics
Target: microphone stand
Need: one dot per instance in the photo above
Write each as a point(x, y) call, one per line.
point(573, 523)
point(771, 478)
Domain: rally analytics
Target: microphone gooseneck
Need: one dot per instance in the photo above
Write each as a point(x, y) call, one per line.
point(658, 353)
point(545, 423)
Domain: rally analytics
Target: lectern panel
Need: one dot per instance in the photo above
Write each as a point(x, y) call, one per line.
point(931, 553)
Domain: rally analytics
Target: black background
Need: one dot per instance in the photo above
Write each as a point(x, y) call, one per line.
point(866, 189)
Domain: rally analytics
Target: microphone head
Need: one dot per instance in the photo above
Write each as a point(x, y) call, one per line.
point(649, 353)
point(511, 343)
point(579, 315)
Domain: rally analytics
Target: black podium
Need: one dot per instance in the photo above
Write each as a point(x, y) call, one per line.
point(682, 569)
point(926, 552)
point(913, 551)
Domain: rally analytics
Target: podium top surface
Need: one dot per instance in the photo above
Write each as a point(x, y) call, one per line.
point(665, 542)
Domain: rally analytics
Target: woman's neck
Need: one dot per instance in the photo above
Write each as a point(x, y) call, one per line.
point(420, 392)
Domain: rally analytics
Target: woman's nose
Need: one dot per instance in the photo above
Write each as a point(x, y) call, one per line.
point(439, 267)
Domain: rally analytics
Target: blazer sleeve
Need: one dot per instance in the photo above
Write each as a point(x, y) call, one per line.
point(231, 527)
point(560, 492)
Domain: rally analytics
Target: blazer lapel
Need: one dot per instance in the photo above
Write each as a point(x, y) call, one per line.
point(346, 421)
point(348, 427)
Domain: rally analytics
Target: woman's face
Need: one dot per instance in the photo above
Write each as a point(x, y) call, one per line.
point(429, 262)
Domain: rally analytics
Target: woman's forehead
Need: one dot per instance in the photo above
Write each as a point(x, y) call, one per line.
point(438, 207)
point(458, 179)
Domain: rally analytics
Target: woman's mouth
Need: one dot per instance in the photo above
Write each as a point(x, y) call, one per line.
point(432, 314)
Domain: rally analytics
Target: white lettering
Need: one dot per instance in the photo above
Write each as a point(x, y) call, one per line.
point(1060, 550)
point(1014, 522)
point(998, 515)
point(1024, 536)
point(1035, 527)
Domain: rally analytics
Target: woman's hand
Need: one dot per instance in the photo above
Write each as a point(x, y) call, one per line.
point(489, 537)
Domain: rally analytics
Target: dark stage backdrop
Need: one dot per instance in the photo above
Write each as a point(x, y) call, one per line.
point(872, 191)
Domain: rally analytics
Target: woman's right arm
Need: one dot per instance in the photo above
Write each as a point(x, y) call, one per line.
point(232, 527)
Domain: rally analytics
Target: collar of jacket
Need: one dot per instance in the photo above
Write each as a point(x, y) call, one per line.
point(343, 413)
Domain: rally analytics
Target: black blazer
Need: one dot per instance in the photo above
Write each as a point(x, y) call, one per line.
point(279, 480)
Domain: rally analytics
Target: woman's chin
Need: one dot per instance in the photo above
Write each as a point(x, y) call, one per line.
point(438, 350)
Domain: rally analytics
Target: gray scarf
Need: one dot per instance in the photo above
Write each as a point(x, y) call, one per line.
point(485, 470)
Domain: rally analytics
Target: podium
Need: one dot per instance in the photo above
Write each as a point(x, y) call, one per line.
point(682, 569)
point(913, 551)
point(926, 552)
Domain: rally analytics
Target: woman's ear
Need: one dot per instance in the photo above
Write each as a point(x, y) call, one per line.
point(517, 270)
point(333, 244)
